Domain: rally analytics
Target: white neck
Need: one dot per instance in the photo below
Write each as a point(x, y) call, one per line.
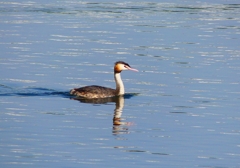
point(119, 84)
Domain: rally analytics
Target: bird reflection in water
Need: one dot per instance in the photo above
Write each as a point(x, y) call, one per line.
point(119, 127)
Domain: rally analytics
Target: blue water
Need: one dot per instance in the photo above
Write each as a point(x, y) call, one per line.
point(181, 109)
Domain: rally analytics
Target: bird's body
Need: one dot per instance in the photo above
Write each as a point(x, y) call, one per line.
point(95, 91)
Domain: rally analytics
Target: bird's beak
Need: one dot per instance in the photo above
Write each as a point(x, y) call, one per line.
point(132, 69)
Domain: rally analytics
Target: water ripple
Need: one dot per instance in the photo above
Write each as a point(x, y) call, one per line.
point(31, 91)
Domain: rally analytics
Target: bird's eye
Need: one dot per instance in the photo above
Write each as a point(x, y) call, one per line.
point(125, 66)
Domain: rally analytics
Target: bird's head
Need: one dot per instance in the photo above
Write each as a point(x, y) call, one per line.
point(121, 66)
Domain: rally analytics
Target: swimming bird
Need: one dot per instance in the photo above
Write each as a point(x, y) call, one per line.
point(95, 91)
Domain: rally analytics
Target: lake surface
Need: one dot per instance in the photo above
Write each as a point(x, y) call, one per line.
point(182, 108)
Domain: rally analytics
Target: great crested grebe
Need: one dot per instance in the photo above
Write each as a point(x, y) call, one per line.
point(94, 91)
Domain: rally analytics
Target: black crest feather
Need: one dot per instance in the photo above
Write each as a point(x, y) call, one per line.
point(121, 62)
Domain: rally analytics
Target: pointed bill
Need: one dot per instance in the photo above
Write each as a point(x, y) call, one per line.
point(132, 69)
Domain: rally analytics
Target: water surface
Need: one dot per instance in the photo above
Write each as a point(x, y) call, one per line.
point(185, 108)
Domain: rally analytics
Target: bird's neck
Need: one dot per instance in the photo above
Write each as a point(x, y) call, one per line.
point(119, 84)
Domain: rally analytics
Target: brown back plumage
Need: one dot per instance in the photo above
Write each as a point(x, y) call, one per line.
point(93, 91)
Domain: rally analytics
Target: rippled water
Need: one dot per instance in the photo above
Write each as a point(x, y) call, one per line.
point(181, 110)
